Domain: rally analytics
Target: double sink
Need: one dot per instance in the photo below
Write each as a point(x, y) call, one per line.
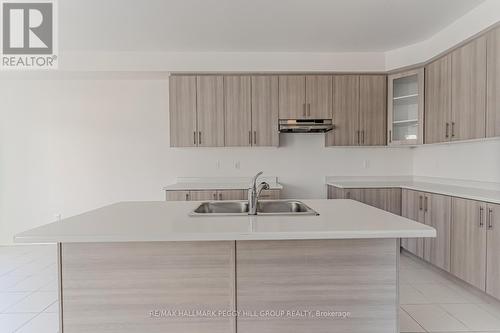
point(264, 207)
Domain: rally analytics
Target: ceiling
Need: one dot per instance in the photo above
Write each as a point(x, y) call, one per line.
point(252, 25)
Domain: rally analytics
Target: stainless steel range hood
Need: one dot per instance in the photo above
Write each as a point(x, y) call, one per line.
point(305, 125)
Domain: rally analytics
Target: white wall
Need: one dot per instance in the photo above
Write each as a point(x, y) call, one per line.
point(67, 146)
point(477, 161)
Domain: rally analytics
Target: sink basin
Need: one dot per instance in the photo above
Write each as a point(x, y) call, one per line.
point(264, 207)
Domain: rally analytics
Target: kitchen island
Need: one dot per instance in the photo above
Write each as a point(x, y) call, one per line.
point(151, 267)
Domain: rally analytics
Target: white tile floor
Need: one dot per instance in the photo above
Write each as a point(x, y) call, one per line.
point(430, 301)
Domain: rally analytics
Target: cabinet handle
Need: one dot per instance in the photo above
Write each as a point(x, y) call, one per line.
point(194, 137)
point(220, 196)
point(426, 204)
point(199, 137)
point(447, 130)
point(215, 195)
point(390, 136)
point(490, 218)
point(309, 109)
point(304, 109)
point(254, 137)
point(358, 131)
point(363, 137)
point(348, 195)
point(249, 137)
point(481, 211)
point(187, 196)
point(452, 129)
point(419, 202)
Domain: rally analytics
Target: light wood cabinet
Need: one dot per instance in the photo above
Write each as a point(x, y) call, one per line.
point(493, 250)
point(232, 195)
point(265, 111)
point(305, 97)
point(319, 96)
point(210, 195)
point(373, 110)
point(210, 110)
point(203, 195)
point(468, 91)
point(238, 116)
point(292, 97)
point(388, 199)
point(413, 208)
point(437, 214)
point(345, 111)
point(182, 105)
point(270, 194)
point(405, 108)
point(493, 84)
point(177, 196)
point(359, 111)
point(438, 100)
point(468, 241)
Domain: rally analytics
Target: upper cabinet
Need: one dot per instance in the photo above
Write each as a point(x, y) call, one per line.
point(468, 91)
point(438, 100)
point(493, 84)
point(405, 116)
point(265, 111)
point(210, 110)
point(182, 101)
point(456, 95)
point(305, 97)
point(359, 111)
point(237, 103)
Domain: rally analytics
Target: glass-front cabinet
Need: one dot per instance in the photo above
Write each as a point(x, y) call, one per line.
point(406, 108)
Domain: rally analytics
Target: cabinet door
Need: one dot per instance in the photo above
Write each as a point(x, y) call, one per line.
point(468, 241)
point(493, 84)
point(388, 199)
point(412, 208)
point(292, 97)
point(231, 194)
point(319, 96)
point(468, 103)
point(493, 258)
point(373, 110)
point(265, 111)
point(345, 111)
point(182, 110)
point(177, 196)
point(437, 210)
point(437, 100)
point(210, 110)
point(354, 194)
point(238, 116)
point(335, 192)
point(203, 195)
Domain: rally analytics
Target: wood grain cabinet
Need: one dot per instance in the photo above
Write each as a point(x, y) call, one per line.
point(412, 207)
point(305, 97)
point(359, 111)
point(265, 111)
point(468, 241)
point(456, 94)
point(388, 199)
point(203, 195)
point(238, 113)
point(196, 111)
point(493, 84)
point(493, 250)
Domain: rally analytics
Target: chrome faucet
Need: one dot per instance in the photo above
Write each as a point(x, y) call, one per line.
point(254, 192)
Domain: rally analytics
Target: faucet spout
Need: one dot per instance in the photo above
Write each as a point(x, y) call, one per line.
point(254, 193)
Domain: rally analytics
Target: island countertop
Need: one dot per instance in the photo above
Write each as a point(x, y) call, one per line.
point(142, 221)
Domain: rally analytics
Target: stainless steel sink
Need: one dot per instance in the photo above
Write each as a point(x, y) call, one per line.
point(264, 207)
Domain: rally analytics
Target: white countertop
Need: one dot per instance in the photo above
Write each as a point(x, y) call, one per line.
point(219, 183)
point(473, 193)
point(170, 221)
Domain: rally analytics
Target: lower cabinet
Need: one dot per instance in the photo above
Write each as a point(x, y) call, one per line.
point(468, 261)
point(388, 199)
point(493, 250)
point(412, 208)
point(199, 195)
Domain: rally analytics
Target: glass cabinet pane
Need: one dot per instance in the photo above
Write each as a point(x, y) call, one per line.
point(405, 109)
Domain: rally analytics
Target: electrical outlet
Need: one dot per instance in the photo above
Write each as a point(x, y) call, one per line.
point(366, 164)
point(217, 165)
point(237, 164)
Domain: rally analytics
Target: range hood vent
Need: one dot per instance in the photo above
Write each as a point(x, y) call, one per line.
point(305, 125)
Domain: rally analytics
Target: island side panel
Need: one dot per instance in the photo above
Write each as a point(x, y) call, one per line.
point(113, 287)
point(356, 276)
